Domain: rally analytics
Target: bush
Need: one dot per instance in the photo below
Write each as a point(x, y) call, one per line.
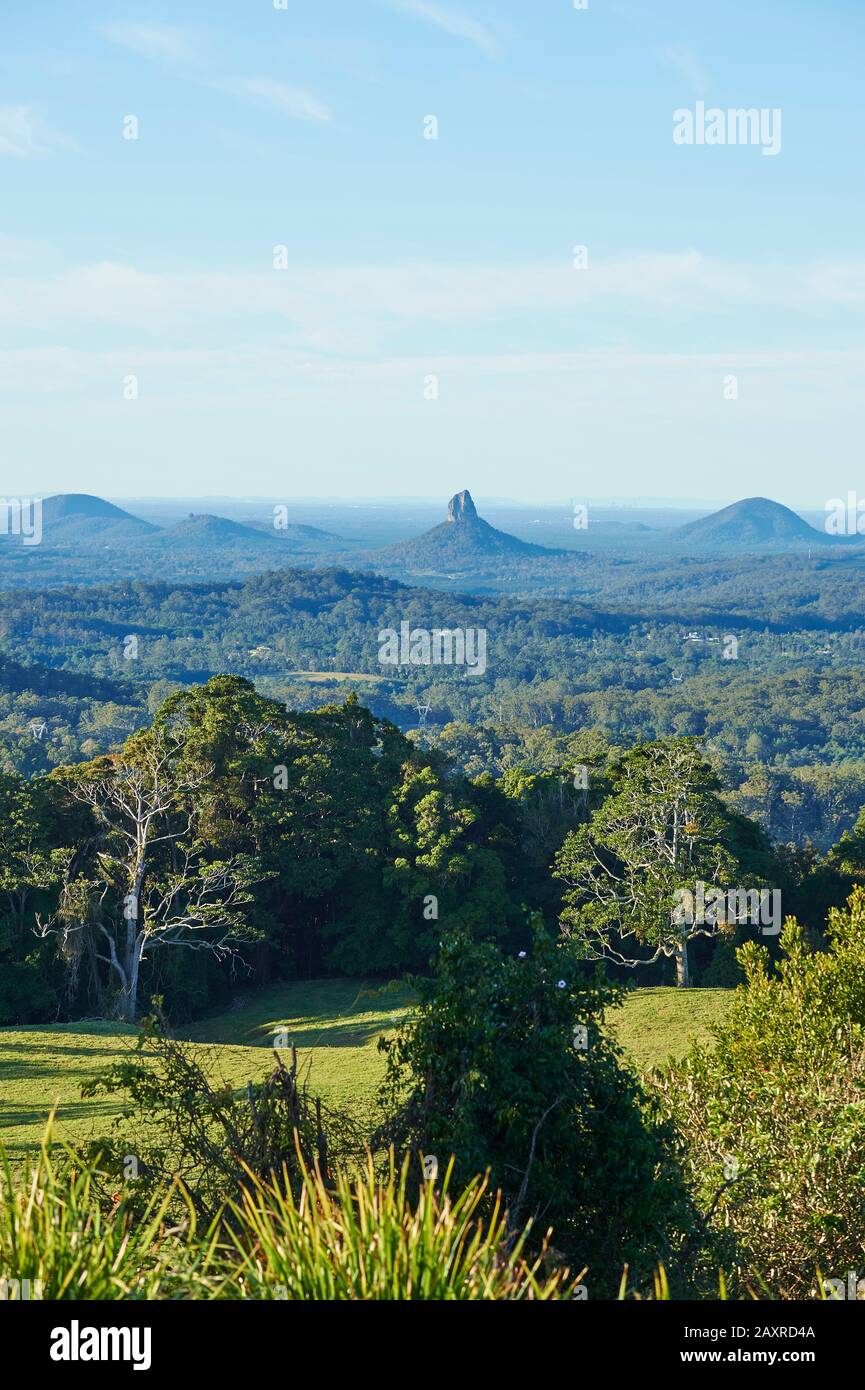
point(189, 1124)
point(772, 1117)
point(507, 1066)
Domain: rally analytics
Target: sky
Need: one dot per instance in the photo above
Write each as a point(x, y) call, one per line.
point(349, 248)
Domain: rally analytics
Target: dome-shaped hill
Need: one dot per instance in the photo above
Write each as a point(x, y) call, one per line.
point(205, 530)
point(78, 518)
point(65, 504)
point(753, 521)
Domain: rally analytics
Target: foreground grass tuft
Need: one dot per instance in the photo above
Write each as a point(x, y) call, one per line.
point(64, 1236)
point(60, 1241)
point(367, 1240)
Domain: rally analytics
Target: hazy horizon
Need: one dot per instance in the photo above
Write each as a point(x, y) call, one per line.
point(435, 500)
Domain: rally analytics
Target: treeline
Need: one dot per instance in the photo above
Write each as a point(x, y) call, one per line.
point(329, 619)
point(235, 840)
point(232, 839)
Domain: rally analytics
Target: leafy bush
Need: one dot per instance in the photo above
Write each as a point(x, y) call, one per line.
point(772, 1117)
point(507, 1066)
point(189, 1124)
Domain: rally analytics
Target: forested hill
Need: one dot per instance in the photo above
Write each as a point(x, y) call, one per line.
point(299, 609)
point(49, 680)
point(764, 660)
point(281, 620)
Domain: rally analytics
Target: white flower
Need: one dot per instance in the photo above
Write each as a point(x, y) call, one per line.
point(561, 984)
point(522, 955)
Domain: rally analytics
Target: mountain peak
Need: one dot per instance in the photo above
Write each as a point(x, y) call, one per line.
point(64, 504)
point(78, 516)
point(752, 521)
point(461, 506)
point(463, 542)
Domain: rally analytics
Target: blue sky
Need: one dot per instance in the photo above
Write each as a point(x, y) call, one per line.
point(430, 330)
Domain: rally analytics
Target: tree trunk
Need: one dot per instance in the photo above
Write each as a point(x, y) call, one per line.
point(683, 974)
point(131, 1000)
point(132, 952)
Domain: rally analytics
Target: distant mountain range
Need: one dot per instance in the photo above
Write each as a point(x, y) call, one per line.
point(85, 539)
point(88, 540)
point(755, 521)
point(462, 542)
point(76, 518)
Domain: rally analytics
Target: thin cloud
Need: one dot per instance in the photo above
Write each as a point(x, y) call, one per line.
point(150, 40)
point(163, 43)
point(361, 303)
point(452, 21)
point(23, 136)
point(277, 96)
point(688, 65)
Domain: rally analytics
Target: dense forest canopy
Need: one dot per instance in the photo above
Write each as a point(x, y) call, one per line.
point(659, 649)
point(230, 839)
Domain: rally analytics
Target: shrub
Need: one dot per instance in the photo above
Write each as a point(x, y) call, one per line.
point(772, 1117)
point(190, 1124)
point(507, 1066)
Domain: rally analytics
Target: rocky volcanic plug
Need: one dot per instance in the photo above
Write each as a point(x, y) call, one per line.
point(462, 542)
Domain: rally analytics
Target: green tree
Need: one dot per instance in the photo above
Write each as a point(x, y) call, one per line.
point(662, 831)
point(153, 879)
point(29, 872)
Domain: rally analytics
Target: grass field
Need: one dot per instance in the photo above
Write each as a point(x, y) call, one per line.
point(655, 1025)
point(317, 677)
point(333, 1023)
